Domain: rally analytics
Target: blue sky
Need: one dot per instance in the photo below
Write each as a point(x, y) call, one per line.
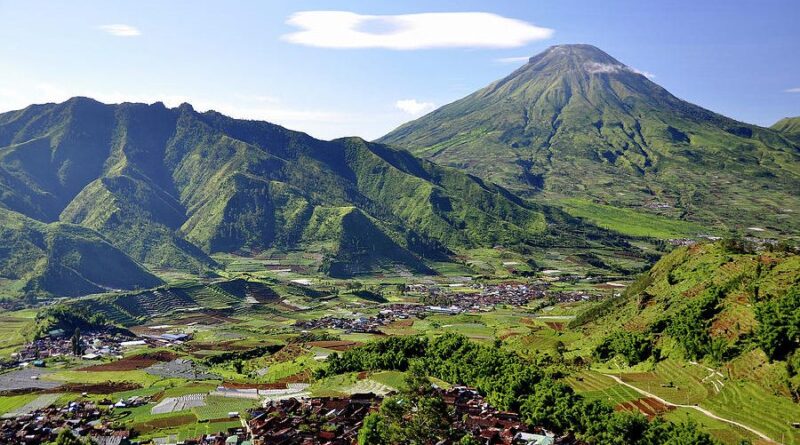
point(246, 59)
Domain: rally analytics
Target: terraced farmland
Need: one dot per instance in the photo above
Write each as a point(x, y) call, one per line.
point(12, 327)
point(748, 403)
point(596, 386)
point(679, 383)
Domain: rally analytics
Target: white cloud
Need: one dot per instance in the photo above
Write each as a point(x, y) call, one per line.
point(596, 67)
point(414, 107)
point(120, 30)
point(343, 29)
point(520, 59)
point(646, 74)
point(793, 90)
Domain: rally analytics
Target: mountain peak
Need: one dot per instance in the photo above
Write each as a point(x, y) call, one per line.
point(575, 121)
point(583, 57)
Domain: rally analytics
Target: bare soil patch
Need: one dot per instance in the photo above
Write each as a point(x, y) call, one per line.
point(97, 388)
point(302, 377)
point(555, 325)
point(134, 362)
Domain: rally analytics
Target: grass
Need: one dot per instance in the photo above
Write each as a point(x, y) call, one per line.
point(741, 401)
point(77, 376)
point(394, 379)
point(219, 407)
point(12, 327)
point(194, 430)
point(10, 403)
point(630, 222)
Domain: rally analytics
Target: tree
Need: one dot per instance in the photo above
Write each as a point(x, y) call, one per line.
point(778, 330)
point(372, 431)
point(416, 416)
point(77, 344)
point(65, 437)
point(468, 439)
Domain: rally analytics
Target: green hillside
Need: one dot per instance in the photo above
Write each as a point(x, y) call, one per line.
point(710, 327)
point(169, 187)
point(790, 127)
point(39, 259)
point(723, 303)
point(575, 122)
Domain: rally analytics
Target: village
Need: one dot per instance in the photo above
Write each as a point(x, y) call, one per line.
point(336, 421)
point(81, 418)
point(434, 301)
point(92, 345)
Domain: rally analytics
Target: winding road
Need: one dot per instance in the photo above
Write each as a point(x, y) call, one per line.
point(694, 407)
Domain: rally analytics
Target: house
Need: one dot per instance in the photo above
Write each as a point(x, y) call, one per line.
point(534, 439)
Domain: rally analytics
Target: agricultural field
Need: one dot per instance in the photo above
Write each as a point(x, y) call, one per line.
point(13, 326)
point(632, 222)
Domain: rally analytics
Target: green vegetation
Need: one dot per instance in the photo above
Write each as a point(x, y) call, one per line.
point(634, 347)
point(789, 127)
point(41, 259)
point(219, 407)
point(418, 415)
point(712, 299)
point(624, 147)
point(69, 319)
point(631, 222)
point(729, 305)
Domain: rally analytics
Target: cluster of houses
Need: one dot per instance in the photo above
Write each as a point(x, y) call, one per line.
point(336, 421)
point(491, 426)
point(83, 419)
point(487, 298)
point(365, 324)
point(94, 346)
point(57, 343)
point(332, 421)
point(446, 303)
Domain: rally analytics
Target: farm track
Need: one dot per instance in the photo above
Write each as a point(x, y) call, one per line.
point(694, 407)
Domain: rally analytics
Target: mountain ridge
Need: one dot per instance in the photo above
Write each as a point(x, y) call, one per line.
point(169, 187)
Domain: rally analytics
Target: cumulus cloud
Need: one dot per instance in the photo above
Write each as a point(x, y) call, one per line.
point(344, 29)
point(596, 67)
point(793, 90)
point(120, 30)
point(414, 107)
point(520, 59)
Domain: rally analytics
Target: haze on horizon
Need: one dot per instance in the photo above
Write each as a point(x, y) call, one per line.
point(363, 68)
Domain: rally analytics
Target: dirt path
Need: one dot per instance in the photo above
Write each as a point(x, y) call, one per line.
point(694, 407)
